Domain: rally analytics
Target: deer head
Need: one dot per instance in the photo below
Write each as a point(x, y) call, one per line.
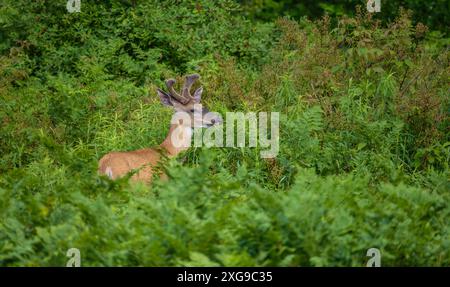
point(188, 104)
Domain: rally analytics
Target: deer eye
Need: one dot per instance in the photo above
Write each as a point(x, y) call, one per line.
point(192, 111)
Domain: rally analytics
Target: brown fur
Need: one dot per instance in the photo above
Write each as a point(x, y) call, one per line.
point(142, 160)
point(121, 163)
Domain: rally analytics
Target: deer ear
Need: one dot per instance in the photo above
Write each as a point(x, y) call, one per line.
point(198, 95)
point(165, 98)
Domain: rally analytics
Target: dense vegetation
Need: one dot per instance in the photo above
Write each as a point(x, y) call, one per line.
point(433, 13)
point(364, 142)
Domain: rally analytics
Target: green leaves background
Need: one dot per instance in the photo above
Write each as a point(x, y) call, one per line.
point(363, 158)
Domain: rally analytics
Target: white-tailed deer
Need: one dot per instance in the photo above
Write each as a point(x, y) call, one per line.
point(144, 161)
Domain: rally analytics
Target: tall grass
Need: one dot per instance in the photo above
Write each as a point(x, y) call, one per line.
point(364, 146)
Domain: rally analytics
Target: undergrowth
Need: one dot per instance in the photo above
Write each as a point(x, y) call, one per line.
point(364, 142)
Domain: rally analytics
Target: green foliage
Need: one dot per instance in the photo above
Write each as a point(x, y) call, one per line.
point(364, 145)
point(215, 220)
point(432, 13)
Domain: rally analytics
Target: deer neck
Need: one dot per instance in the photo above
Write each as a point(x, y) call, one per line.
point(178, 139)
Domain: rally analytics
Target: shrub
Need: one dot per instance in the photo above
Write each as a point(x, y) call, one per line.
point(363, 158)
